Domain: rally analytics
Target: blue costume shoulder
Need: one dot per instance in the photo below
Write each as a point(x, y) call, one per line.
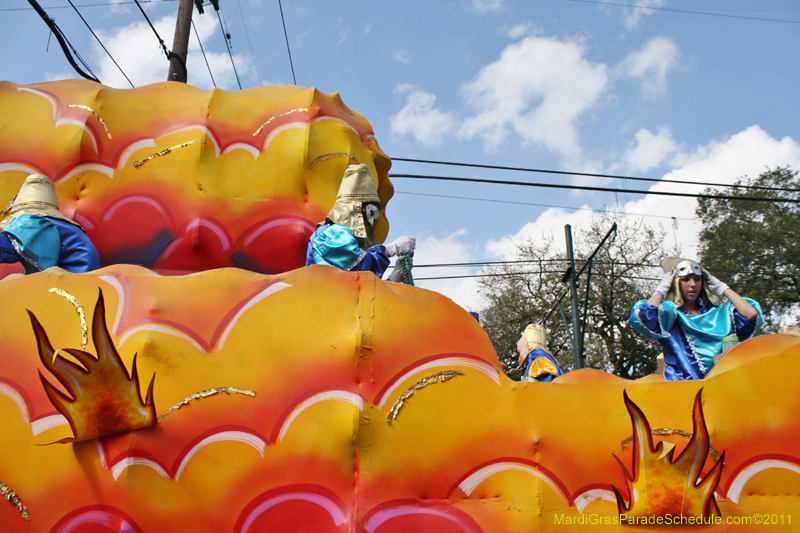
point(335, 245)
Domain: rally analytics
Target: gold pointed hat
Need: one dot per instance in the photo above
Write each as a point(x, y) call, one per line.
point(37, 196)
point(357, 189)
point(674, 293)
point(536, 337)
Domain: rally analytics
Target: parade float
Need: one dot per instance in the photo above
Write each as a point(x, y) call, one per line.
point(205, 380)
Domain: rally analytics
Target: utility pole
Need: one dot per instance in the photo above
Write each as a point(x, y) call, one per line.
point(570, 278)
point(180, 44)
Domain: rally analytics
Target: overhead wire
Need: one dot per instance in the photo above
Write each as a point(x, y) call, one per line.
point(197, 35)
point(250, 44)
point(596, 189)
point(101, 44)
point(64, 43)
point(536, 205)
point(591, 175)
point(291, 64)
point(169, 53)
point(227, 37)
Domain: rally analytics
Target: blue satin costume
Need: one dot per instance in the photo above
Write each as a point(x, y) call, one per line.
point(690, 342)
point(335, 245)
point(541, 367)
point(47, 242)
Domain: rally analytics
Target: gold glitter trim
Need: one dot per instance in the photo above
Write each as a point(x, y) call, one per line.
point(204, 394)
point(441, 377)
point(669, 431)
point(165, 152)
point(9, 495)
point(81, 315)
point(87, 108)
point(331, 156)
point(276, 117)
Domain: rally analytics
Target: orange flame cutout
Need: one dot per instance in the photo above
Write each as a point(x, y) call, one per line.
point(660, 486)
point(104, 400)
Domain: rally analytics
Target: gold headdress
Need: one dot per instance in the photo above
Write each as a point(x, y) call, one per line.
point(356, 190)
point(37, 196)
point(536, 337)
point(674, 293)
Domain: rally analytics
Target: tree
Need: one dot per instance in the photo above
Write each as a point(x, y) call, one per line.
point(755, 245)
point(525, 290)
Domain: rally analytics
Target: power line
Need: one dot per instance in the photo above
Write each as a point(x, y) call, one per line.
point(227, 37)
point(535, 205)
point(686, 11)
point(596, 189)
point(107, 4)
point(204, 54)
point(170, 55)
point(101, 44)
point(596, 2)
point(64, 43)
point(569, 173)
point(294, 80)
point(247, 34)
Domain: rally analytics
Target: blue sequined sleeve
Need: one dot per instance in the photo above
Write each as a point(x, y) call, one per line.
point(654, 322)
point(7, 252)
point(746, 328)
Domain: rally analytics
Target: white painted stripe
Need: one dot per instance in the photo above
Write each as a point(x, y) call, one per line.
point(272, 289)
point(481, 366)
point(231, 436)
point(338, 395)
point(735, 490)
point(476, 478)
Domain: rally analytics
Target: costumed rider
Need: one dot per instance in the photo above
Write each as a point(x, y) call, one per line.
point(532, 348)
point(36, 234)
point(689, 318)
point(346, 239)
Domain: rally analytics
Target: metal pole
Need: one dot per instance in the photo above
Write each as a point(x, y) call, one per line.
point(180, 44)
point(576, 321)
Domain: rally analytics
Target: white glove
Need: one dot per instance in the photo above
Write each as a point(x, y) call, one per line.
point(403, 245)
point(396, 274)
point(666, 283)
point(715, 285)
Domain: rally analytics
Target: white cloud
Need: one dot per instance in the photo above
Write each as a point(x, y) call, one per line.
point(420, 119)
point(538, 89)
point(551, 222)
point(650, 65)
point(485, 6)
point(137, 51)
point(639, 10)
point(402, 56)
point(450, 249)
point(748, 153)
point(649, 149)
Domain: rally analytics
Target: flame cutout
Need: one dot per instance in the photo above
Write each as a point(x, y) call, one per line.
point(104, 400)
point(660, 486)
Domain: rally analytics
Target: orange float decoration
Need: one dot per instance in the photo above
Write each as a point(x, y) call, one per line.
point(309, 399)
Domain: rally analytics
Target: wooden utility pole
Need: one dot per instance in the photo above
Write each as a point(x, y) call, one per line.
point(180, 45)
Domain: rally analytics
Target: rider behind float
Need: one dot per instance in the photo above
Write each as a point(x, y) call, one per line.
point(38, 235)
point(346, 239)
point(688, 317)
point(532, 349)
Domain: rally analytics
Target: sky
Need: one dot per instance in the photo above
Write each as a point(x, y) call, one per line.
point(687, 90)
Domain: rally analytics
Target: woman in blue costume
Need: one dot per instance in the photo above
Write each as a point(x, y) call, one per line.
point(532, 348)
point(688, 317)
point(36, 234)
point(346, 239)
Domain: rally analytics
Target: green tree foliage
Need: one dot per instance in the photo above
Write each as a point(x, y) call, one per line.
point(526, 288)
point(755, 246)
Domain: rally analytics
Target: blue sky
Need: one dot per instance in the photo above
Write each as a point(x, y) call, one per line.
point(701, 90)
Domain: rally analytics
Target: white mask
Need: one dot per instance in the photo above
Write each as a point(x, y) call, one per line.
point(372, 213)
